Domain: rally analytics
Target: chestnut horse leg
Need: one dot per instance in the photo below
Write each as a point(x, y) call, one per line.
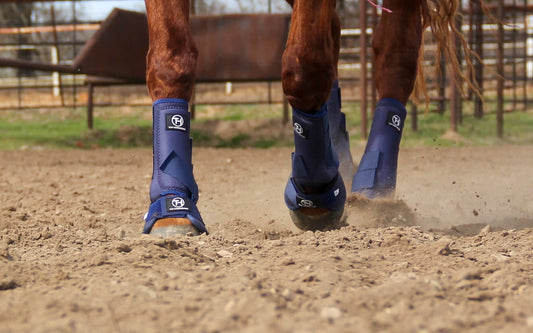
point(171, 67)
point(315, 193)
point(396, 44)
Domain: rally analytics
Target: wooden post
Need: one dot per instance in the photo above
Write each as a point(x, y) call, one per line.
point(478, 48)
point(269, 93)
point(90, 105)
point(499, 111)
point(374, 92)
point(470, 75)
point(459, 97)
point(56, 47)
point(513, 62)
point(453, 100)
point(285, 110)
point(192, 106)
point(526, 56)
point(442, 85)
point(363, 76)
point(414, 117)
point(74, 53)
point(455, 96)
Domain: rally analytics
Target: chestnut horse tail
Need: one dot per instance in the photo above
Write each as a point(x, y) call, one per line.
point(442, 17)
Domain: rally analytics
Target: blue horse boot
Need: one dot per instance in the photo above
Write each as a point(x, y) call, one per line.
point(339, 136)
point(173, 191)
point(376, 175)
point(315, 193)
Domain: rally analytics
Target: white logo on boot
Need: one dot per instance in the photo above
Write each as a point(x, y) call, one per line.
point(299, 129)
point(176, 123)
point(178, 202)
point(306, 203)
point(395, 121)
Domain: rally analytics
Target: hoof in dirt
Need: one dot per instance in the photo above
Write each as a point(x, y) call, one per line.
point(169, 227)
point(379, 212)
point(329, 220)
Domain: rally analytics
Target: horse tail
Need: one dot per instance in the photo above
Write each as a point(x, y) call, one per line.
point(444, 19)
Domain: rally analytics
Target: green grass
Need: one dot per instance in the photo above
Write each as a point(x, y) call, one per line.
point(434, 128)
point(69, 130)
point(131, 127)
point(237, 112)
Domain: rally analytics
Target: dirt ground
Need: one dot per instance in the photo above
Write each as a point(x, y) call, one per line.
point(455, 255)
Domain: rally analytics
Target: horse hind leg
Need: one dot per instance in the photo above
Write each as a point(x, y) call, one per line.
point(396, 44)
point(171, 66)
point(315, 193)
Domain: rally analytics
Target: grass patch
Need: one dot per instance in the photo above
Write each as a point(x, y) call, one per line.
point(234, 142)
point(264, 143)
point(127, 127)
point(60, 130)
point(434, 128)
point(237, 112)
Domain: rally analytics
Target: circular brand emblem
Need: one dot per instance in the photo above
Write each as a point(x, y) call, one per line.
point(396, 120)
point(306, 203)
point(178, 202)
point(177, 121)
point(298, 128)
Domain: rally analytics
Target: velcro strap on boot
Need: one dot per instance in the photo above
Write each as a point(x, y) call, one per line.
point(366, 174)
point(173, 205)
point(333, 197)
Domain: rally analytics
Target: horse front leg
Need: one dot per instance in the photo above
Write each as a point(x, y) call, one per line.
point(315, 193)
point(171, 67)
point(396, 44)
point(309, 60)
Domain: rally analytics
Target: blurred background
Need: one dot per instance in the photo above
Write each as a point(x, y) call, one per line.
point(40, 80)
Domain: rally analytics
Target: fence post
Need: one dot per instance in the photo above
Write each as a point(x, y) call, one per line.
point(414, 117)
point(499, 111)
point(56, 76)
point(90, 105)
point(529, 54)
point(362, 75)
point(454, 100)
point(455, 79)
point(478, 65)
point(373, 91)
point(441, 75)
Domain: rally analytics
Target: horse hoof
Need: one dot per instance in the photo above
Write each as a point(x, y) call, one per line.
point(323, 211)
point(168, 227)
point(318, 219)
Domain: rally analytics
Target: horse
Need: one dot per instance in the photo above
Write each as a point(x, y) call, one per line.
point(322, 168)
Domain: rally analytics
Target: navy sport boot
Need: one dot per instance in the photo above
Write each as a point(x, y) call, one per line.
point(173, 191)
point(376, 175)
point(315, 193)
